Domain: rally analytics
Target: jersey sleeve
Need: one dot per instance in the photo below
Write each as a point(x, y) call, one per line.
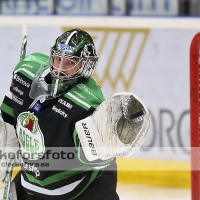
point(7, 109)
point(89, 96)
point(27, 68)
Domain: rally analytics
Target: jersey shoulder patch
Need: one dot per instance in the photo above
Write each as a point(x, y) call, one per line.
point(30, 64)
point(86, 94)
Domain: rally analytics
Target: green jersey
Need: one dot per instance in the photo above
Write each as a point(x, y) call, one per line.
point(53, 163)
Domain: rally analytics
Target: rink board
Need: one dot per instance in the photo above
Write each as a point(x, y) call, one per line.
point(154, 172)
point(151, 172)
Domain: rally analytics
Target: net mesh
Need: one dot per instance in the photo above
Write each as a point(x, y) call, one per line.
point(127, 127)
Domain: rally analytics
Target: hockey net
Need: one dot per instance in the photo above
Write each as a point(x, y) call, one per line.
point(195, 115)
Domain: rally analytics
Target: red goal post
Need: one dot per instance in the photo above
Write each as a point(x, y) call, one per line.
point(195, 115)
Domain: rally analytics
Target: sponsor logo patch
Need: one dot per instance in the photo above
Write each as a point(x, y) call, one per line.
point(27, 65)
point(80, 95)
point(66, 104)
point(17, 89)
point(17, 100)
point(59, 111)
point(83, 87)
point(31, 168)
point(33, 58)
point(21, 81)
point(65, 47)
point(37, 107)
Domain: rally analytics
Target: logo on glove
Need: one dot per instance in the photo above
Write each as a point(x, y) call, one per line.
point(89, 139)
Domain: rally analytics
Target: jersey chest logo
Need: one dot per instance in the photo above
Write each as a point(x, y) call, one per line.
point(30, 136)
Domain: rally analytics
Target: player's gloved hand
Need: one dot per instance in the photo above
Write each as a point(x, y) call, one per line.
point(117, 128)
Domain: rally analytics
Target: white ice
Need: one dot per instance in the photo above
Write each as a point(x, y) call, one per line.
point(150, 192)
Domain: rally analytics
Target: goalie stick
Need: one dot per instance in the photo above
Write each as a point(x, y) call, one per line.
point(9, 188)
point(195, 115)
point(7, 181)
point(25, 29)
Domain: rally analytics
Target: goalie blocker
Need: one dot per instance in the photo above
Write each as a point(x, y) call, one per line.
point(117, 128)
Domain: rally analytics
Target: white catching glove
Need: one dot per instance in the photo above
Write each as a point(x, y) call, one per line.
point(8, 146)
point(117, 128)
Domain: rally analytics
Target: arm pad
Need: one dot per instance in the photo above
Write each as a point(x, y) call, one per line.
point(9, 146)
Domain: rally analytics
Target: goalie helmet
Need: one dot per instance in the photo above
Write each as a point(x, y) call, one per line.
point(76, 48)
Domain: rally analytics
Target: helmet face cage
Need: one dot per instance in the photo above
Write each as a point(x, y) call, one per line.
point(75, 64)
point(73, 56)
point(77, 47)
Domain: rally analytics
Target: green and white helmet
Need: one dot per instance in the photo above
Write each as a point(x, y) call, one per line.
point(78, 47)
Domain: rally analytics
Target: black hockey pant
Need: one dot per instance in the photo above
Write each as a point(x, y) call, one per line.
point(102, 188)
